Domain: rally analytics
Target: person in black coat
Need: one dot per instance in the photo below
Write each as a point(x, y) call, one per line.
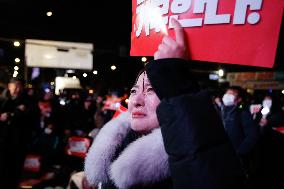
point(238, 122)
point(16, 124)
point(271, 170)
point(165, 140)
point(241, 129)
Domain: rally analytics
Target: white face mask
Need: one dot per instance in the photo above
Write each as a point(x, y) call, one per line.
point(47, 131)
point(267, 103)
point(228, 99)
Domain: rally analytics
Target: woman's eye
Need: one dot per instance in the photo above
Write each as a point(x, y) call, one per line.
point(150, 89)
point(132, 91)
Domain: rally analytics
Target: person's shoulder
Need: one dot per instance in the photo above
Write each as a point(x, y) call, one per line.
point(244, 111)
point(204, 94)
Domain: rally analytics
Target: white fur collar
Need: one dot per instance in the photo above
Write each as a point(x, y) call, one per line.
point(144, 161)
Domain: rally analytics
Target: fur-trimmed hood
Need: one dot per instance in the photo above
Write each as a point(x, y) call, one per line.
point(143, 161)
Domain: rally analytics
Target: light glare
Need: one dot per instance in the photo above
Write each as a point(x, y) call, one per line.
point(17, 60)
point(49, 13)
point(17, 43)
point(144, 59)
point(221, 73)
point(113, 67)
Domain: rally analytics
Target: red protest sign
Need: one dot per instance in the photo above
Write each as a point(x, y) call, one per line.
point(32, 163)
point(279, 129)
point(78, 146)
point(241, 32)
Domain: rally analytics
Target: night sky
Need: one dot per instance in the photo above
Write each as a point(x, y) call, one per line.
point(106, 24)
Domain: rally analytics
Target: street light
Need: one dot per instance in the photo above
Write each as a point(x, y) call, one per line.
point(15, 74)
point(17, 60)
point(17, 43)
point(49, 13)
point(95, 72)
point(113, 67)
point(144, 59)
point(221, 73)
point(85, 75)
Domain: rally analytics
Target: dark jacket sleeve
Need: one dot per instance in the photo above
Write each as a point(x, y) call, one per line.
point(200, 154)
point(251, 131)
point(276, 119)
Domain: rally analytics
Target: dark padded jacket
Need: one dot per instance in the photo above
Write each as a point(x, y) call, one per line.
point(200, 153)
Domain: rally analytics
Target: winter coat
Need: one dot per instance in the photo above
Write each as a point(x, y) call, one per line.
point(143, 161)
point(189, 150)
point(241, 129)
point(271, 153)
point(15, 136)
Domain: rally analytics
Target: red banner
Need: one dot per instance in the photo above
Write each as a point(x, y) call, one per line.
point(279, 129)
point(241, 32)
point(78, 146)
point(120, 110)
point(32, 163)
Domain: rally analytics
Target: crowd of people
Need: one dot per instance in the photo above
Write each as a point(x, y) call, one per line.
point(254, 128)
point(37, 122)
point(43, 123)
point(174, 135)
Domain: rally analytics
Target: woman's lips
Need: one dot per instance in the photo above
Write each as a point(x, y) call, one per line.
point(138, 115)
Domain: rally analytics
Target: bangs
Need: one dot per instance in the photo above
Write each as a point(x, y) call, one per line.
point(140, 72)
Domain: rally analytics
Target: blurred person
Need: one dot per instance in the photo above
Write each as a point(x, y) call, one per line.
point(85, 117)
point(73, 112)
point(271, 117)
point(271, 114)
point(49, 146)
point(2, 89)
point(240, 127)
point(16, 125)
point(100, 119)
point(165, 140)
point(217, 102)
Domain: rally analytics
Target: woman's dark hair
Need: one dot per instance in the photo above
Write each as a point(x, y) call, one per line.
point(139, 73)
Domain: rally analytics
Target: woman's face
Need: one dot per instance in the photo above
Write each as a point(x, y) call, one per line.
point(142, 105)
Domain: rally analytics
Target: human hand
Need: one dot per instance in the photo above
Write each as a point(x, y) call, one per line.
point(46, 113)
point(170, 48)
point(263, 122)
point(4, 116)
point(86, 185)
point(21, 107)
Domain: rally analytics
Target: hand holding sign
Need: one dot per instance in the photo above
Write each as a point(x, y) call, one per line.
point(170, 48)
point(220, 31)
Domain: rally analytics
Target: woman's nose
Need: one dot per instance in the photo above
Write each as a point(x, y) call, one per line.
point(139, 100)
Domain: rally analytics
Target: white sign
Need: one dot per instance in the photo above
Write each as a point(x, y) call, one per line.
point(154, 13)
point(66, 83)
point(58, 54)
